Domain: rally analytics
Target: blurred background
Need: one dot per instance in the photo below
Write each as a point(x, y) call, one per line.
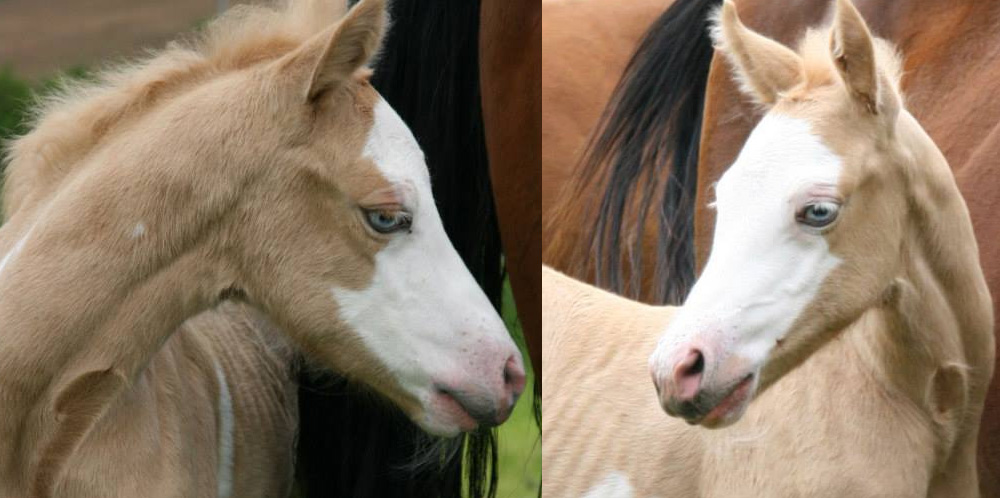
point(44, 42)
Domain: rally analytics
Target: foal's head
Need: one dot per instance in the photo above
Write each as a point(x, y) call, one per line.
point(810, 217)
point(315, 200)
point(347, 246)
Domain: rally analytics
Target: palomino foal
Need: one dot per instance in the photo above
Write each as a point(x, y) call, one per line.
point(256, 163)
point(843, 291)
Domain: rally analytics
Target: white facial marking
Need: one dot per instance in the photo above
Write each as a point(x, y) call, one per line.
point(139, 230)
point(225, 471)
point(423, 314)
point(613, 485)
point(392, 147)
point(764, 268)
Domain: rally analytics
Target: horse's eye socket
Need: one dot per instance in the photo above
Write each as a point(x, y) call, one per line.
point(818, 214)
point(388, 221)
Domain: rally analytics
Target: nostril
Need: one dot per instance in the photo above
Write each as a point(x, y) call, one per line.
point(688, 373)
point(693, 364)
point(699, 364)
point(513, 375)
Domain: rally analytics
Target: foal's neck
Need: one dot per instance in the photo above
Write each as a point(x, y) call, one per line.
point(936, 319)
point(98, 278)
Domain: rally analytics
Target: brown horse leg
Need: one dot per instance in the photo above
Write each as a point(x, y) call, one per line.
point(510, 73)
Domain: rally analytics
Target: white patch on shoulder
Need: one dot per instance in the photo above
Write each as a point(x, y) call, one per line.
point(139, 230)
point(225, 473)
point(613, 485)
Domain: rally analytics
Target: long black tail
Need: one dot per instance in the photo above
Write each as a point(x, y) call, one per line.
point(652, 122)
point(350, 444)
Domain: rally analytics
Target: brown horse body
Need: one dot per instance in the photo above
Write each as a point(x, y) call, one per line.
point(510, 67)
point(585, 46)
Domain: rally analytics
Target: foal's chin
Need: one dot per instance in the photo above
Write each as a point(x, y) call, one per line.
point(444, 418)
point(718, 408)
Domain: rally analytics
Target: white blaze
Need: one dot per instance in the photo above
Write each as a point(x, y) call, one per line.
point(423, 314)
point(764, 268)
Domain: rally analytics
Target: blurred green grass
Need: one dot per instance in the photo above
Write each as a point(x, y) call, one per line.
point(17, 95)
point(519, 439)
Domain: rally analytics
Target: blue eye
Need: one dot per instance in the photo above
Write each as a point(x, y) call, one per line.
point(388, 221)
point(818, 214)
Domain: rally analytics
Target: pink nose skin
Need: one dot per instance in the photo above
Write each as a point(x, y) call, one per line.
point(485, 409)
point(685, 381)
point(513, 383)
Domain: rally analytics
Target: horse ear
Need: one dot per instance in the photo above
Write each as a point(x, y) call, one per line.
point(328, 59)
point(764, 68)
point(853, 52)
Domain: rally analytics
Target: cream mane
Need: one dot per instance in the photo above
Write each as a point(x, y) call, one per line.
point(71, 123)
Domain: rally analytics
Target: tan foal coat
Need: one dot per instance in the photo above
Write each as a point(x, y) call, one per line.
point(844, 423)
point(169, 434)
point(877, 389)
point(106, 387)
